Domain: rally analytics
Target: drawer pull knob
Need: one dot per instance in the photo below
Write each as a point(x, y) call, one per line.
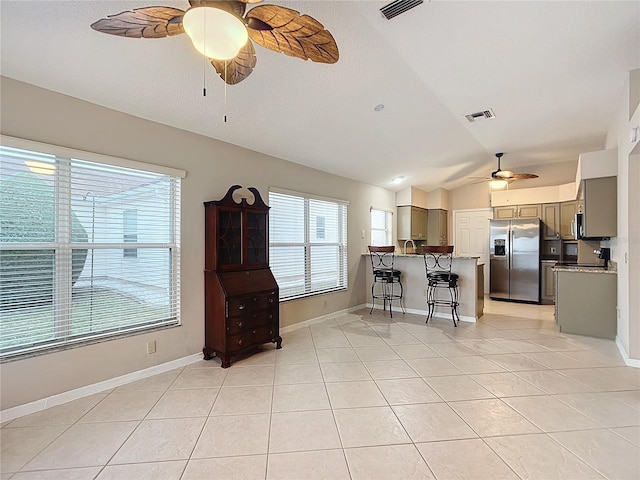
point(241, 307)
point(240, 342)
point(271, 300)
point(255, 299)
point(270, 316)
point(239, 324)
point(253, 332)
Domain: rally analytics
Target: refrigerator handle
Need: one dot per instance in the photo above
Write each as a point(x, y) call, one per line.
point(512, 234)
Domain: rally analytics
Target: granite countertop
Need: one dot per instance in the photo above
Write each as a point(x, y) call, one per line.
point(583, 269)
point(419, 255)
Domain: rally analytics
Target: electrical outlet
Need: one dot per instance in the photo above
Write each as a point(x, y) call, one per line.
point(362, 234)
point(151, 347)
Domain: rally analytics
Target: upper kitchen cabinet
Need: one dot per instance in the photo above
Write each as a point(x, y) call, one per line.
point(517, 211)
point(412, 223)
point(568, 212)
point(599, 210)
point(551, 221)
point(437, 227)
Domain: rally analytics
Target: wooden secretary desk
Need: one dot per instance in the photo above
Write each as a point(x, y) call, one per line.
point(241, 293)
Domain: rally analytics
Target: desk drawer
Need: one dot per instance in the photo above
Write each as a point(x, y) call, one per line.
point(241, 306)
point(250, 337)
point(251, 320)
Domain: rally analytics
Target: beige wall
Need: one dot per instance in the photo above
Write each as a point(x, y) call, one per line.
point(625, 248)
point(212, 166)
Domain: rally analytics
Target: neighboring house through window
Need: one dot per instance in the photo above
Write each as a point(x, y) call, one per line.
point(307, 243)
point(65, 278)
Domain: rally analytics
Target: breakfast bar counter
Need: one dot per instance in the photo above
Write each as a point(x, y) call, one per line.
point(414, 281)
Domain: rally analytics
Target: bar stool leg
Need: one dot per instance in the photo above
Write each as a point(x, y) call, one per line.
point(373, 296)
point(452, 291)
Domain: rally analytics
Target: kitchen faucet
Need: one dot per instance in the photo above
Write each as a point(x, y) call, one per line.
point(405, 245)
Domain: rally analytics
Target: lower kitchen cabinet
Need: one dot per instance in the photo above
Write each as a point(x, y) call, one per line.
point(586, 302)
point(547, 282)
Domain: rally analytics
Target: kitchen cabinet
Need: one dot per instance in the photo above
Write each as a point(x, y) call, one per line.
point(517, 211)
point(599, 209)
point(547, 284)
point(412, 223)
point(586, 302)
point(241, 308)
point(550, 221)
point(437, 227)
point(568, 212)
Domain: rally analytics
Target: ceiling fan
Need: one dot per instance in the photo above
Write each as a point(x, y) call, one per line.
point(220, 30)
point(501, 178)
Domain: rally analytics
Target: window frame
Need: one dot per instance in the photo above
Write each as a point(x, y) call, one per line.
point(308, 243)
point(388, 223)
point(63, 246)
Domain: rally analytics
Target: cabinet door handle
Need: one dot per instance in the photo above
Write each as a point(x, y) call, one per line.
point(239, 324)
point(241, 307)
point(271, 300)
point(240, 342)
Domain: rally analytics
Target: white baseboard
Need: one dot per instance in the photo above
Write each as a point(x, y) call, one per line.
point(52, 401)
point(631, 362)
point(415, 311)
point(313, 321)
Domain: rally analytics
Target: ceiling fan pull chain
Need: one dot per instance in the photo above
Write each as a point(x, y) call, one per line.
point(225, 91)
point(204, 61)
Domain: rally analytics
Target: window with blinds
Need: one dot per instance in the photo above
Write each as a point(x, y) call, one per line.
point(381, 227)
point(307, 244)
point(87, 251)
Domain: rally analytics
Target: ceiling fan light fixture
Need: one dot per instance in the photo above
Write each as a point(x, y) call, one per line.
point(215, 33)
point(497, 184)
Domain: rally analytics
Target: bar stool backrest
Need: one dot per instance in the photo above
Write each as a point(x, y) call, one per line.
point(438, 258)
point(382, 258)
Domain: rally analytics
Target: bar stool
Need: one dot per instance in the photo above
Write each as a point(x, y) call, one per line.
point(437, 262)
point(385, 277)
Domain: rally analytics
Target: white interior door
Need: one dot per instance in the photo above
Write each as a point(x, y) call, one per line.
point(471, 236)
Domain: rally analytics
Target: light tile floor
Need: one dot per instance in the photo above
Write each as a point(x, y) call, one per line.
point(359, 397)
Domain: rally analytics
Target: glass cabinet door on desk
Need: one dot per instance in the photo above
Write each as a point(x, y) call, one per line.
point(229, 237)
point(257, 239)
point(236, 232)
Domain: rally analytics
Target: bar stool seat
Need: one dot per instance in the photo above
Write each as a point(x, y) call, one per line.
point(385, 278)
point(437, 262)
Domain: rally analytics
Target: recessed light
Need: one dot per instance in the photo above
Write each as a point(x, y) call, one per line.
point(379, 107)
point(398, 179)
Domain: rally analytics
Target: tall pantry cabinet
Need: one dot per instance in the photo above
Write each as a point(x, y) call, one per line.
point(241, 293)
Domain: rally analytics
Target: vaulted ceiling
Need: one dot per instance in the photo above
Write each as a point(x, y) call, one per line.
point(552, 72)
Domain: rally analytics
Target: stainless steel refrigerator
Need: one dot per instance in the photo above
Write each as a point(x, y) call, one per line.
point(515, 260)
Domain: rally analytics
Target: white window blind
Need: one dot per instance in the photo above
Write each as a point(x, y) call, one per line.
point(87, 251)
point(381, 227)
point(307, 244)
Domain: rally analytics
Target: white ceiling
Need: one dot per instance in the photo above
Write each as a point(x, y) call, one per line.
point(553, 72)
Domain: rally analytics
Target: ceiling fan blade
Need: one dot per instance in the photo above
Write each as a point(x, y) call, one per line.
point(502, 174)
point(147, 22)
point(523, 176)
point(238, 68)
point(293, 34)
